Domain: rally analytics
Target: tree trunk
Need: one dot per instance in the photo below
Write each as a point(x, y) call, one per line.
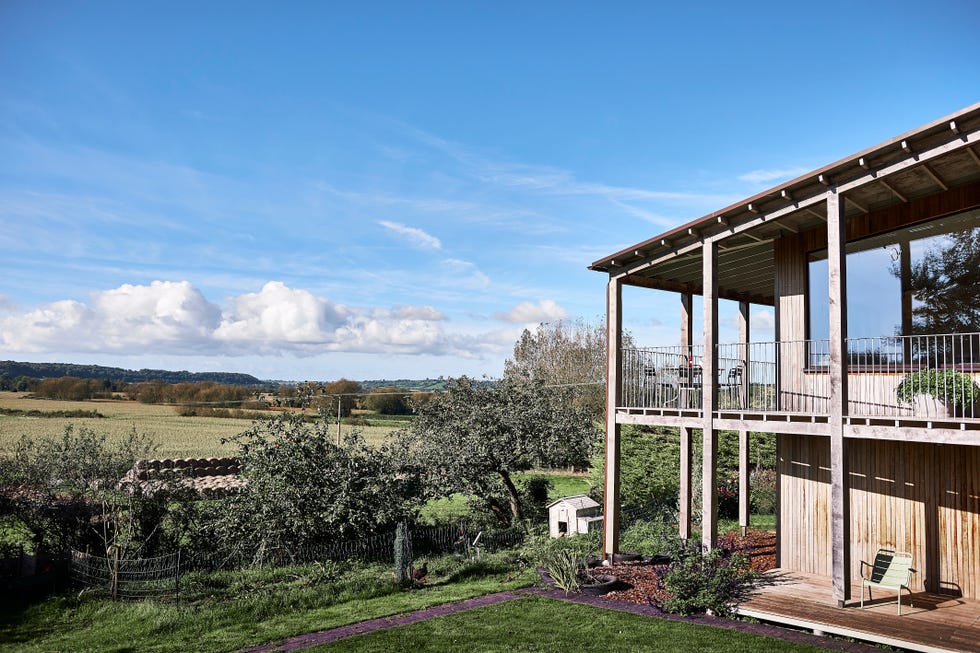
point(515, 499)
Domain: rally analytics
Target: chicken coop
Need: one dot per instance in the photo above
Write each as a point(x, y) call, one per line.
point(573, 515)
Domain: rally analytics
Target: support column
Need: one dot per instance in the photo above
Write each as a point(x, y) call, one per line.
point(687, 320)
point(709, 380)
point(743, 435)
point(839, 482)
point(614, 386)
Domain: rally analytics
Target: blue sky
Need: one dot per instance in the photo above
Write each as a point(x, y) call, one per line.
point(387, 190)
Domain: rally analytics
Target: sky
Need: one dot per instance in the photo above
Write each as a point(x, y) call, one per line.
point(385, 190)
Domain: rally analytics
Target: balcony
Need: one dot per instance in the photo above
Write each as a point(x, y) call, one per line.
point(933, 378)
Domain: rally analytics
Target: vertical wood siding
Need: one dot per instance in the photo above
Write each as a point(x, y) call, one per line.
point(916, 497)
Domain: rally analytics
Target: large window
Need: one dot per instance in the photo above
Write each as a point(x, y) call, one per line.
point(919, 280)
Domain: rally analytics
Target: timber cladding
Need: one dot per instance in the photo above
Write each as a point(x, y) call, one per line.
point(909, 496)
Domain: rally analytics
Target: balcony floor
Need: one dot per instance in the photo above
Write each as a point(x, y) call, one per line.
point(933, 622)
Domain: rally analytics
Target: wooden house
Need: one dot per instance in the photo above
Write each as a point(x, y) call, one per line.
point(878, 437)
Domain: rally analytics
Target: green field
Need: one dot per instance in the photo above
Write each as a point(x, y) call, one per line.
point(178, 436)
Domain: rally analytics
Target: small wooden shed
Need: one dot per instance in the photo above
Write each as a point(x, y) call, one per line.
point(572, 515)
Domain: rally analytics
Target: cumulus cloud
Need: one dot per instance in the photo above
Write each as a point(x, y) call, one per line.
point(176, 318)
point(415, 237)
point(527, 312)
point(765, 176)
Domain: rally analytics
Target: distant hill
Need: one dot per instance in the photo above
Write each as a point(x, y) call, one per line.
point(13, 369)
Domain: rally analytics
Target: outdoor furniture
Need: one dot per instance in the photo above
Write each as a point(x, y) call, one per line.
point(689, 386)
point(890, 570)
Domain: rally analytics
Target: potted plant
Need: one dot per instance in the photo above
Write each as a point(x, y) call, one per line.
point(938, 393)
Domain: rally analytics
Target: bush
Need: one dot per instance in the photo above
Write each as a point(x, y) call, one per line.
point(303, 489)
point(648, 536)
point(728, 499)
point(762, 491)
point(952, 387)
point(57, 487)
point(700, 581)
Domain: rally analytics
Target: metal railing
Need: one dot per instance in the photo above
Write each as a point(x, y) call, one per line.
point(933, 377)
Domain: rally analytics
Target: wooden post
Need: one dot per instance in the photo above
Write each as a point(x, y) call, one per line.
point(709, 380)
point(839, 490)
point(614, 385)
point(687, 319)
point(743, 435)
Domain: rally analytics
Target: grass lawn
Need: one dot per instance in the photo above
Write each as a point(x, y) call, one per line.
point(233, 610)
point(455, 507)
point(540, 624)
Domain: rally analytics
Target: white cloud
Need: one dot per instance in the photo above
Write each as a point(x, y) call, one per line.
point(281, 314)
point(168, 317)
point(415, 237)
point(529, 313)
point(764, 176)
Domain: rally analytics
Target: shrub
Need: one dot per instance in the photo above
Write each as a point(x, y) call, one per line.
point(728, 499)
point(949, 386)
point(762, 491)
point(648, 536)
point(700, 581)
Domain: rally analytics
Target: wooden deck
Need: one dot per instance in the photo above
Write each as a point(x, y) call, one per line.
point(934, 622)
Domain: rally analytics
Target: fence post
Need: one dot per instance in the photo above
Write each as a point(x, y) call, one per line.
point(402, 556)
point(114, 574)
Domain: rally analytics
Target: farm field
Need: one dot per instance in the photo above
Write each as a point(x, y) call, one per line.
point(178, 436)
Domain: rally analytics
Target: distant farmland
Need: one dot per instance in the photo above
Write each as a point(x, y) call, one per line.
point(178, 436)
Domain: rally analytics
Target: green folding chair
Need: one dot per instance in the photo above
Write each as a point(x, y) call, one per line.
point(890, 570)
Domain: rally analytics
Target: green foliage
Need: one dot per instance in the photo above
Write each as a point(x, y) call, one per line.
point(473, 438)
point(650, 462)
point(54, 486)
point(699, 581)
point(304, 489)
point(949, 386)
point(762, 491)
point(649, 536)
point(566, 353)
point(649, 466)
point(388, 401)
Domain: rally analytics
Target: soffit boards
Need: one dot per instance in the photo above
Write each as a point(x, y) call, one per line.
point(939, 156)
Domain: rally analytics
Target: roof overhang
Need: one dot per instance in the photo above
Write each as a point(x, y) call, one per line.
point(930, 160)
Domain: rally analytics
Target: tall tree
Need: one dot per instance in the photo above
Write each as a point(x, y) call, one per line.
point(475, 436)
point(566, 353)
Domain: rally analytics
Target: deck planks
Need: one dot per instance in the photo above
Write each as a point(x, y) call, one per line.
point(934, 622)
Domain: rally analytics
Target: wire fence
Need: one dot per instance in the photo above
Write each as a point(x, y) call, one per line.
point(141, 578)
point(128, 579)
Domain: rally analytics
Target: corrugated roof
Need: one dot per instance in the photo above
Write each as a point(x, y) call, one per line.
point(922, 162)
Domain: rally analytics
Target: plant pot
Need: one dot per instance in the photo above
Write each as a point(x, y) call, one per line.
point(660, 559)
point(602, 585)
point(626, 557)
point(928, 406)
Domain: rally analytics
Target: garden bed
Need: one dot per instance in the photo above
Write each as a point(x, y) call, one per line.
point(640, 581)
